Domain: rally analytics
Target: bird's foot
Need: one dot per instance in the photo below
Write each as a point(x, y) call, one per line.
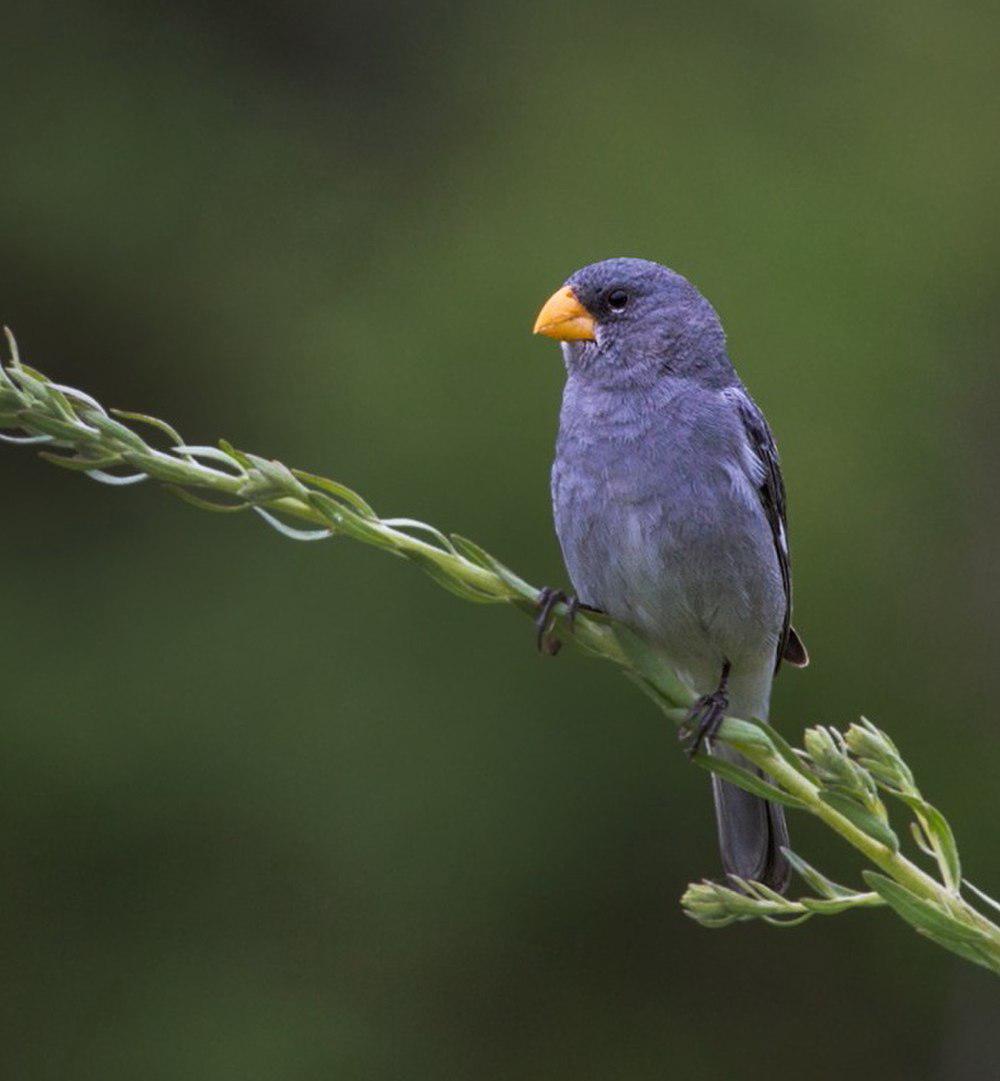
point(703, 721)
point(548, 599)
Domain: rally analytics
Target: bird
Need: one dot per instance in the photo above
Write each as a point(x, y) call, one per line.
point(669, 507)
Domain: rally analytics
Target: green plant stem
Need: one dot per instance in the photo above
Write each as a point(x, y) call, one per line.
point(90, 440)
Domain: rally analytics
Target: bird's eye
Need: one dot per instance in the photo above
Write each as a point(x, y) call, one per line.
point(617, 299)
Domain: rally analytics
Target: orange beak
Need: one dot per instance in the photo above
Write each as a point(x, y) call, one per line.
point(564, 318)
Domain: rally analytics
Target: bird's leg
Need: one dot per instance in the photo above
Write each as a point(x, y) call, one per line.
point(706, 714)
point(548, 598)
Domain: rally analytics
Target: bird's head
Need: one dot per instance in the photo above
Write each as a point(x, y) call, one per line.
point(631, 320)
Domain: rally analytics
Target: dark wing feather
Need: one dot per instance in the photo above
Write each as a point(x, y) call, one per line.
point(771, 489)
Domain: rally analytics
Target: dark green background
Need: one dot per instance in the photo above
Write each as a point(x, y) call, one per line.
point(289, 811)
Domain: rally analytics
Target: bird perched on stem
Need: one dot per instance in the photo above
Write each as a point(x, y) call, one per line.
point(670, 510)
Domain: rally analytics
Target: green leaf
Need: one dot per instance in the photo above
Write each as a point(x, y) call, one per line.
point(154, 422)
point(930, 920)
point(861, 817)
point(815, 879)
point(744, 779)
point(15, 359)
point(920, 840)
point(939, 834)
point(340, 491)
point(921, 913)
point(238, 455)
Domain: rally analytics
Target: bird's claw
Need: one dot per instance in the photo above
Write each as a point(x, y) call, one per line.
point(548, 598)
point(703, 721)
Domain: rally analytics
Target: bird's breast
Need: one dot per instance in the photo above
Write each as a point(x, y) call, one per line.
point(661, 526)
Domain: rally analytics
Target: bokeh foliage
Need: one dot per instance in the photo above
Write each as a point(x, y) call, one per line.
point(270, 810)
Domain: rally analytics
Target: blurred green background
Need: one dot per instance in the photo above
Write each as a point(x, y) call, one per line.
point(290, 811)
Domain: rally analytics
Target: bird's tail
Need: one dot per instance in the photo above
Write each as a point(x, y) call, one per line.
point(752, 830)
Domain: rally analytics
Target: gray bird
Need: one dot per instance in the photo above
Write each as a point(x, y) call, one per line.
point(670, 511)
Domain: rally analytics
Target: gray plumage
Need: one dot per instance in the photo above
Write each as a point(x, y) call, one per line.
point(669, 507)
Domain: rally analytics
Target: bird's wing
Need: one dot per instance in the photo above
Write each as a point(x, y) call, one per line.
point(771, 490)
